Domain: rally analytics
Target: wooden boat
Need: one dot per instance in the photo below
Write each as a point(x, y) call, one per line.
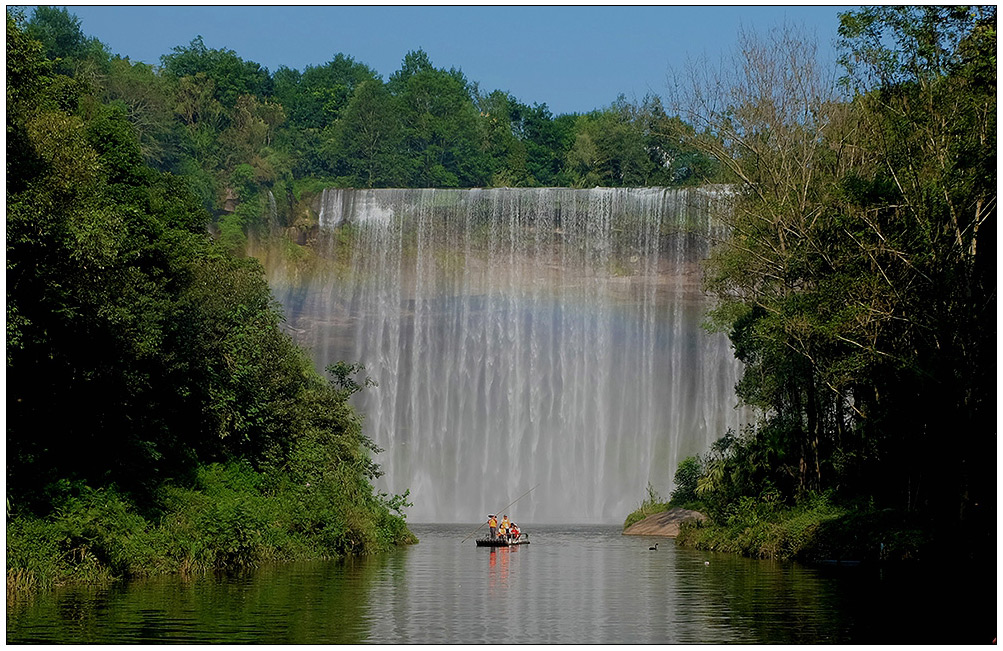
point(502, 542)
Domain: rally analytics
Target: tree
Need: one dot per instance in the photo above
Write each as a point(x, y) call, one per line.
point(88, 271)
point(685, 481)
point(63, 41)
point(146, 101)
point(369, 137)
point(505, 151)
point(315, 98)
point(253, 123)
point(439, 125)
point(415, 62)
point(853, 283)
point(778, 128)
point(138, 348)
point(231, 76)
point(667, 140)
point(609, 149)
point(547, 140)
point(925, 84)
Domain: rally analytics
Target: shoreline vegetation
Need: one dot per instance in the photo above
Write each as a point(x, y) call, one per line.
point(815, 531)
point(858, 288)
point(229, 519)
point(158, 419)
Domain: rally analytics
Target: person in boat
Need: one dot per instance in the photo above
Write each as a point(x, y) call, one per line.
point(515, 531)
point(493, 525)
point(504, 526)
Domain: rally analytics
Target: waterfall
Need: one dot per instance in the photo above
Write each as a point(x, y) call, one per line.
point(521, 337)
point(273, 212)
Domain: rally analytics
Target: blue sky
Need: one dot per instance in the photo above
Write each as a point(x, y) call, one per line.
point(573, 58)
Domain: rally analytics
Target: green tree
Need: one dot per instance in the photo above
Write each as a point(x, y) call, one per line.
point(369, 137)
point(852, 283)
point(685, 481)
point(440, 125)
point(315, 98)
point(139, 350)
point(674, 160)
point(63, 41)
point(231, 76)
point(505, 151)
point(925, 83)
point(782, 275)
point(251, 133)
point(610, 149)
point(147, 103)
point(547, 140)
point(415, 62)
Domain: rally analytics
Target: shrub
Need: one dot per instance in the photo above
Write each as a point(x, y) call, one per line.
point(685, 481)
point(761, 528)
point(649, 506)
point(231, 518)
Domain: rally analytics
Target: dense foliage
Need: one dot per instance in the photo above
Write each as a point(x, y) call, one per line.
point(249, 140)
point(146, 371)
point(858, 284)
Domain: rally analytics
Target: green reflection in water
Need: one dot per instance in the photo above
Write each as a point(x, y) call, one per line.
point(316, 602)
point(573, 585)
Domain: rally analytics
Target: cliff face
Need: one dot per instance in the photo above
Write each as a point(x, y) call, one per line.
point(665, 523)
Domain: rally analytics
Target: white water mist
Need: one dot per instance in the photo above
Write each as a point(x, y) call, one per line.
point(522, 337)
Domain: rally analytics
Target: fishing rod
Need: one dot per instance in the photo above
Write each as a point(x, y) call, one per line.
point(499, 511)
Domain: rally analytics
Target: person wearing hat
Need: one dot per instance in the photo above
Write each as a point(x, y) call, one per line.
point(504, 526)
point(493, 525)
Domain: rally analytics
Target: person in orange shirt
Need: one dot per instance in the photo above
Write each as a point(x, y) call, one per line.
point(493, 525)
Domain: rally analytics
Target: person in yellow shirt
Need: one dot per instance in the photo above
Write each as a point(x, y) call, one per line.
point(505, 526)
point(493, 525)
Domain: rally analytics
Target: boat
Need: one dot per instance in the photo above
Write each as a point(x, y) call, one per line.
point(502, 542)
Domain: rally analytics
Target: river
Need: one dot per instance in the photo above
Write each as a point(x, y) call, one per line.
point(571, 585)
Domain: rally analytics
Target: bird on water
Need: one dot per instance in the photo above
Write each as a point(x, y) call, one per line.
point(655, 548)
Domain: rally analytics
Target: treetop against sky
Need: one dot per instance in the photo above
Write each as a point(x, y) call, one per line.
point(574, 59)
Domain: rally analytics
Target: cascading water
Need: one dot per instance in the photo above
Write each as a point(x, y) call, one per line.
point(521, 337)
point(273, 212)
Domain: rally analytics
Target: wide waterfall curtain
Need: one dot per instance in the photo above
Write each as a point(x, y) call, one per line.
point(522, 337)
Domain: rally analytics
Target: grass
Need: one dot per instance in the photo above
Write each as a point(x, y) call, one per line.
point(232, 518)
point(651, 505)
point(813, 530)
point(757, 532)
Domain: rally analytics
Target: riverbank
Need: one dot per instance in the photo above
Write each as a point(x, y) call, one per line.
point(231, 517)
point(666, 524)
point(816, 532)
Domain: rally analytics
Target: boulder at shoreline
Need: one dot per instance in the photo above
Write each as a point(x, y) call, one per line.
point(665, 523)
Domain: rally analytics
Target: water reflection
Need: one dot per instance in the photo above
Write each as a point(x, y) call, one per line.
point(318, 602)
point(498, 567)
point(573, 585)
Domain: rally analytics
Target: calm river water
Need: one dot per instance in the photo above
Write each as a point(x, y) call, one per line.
point(570, 585)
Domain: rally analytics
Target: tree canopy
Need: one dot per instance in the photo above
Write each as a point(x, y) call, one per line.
point(858, 282)
point(141, 351)
point(203, 113)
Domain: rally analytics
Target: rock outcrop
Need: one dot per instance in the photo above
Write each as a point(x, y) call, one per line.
point(665, 523)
